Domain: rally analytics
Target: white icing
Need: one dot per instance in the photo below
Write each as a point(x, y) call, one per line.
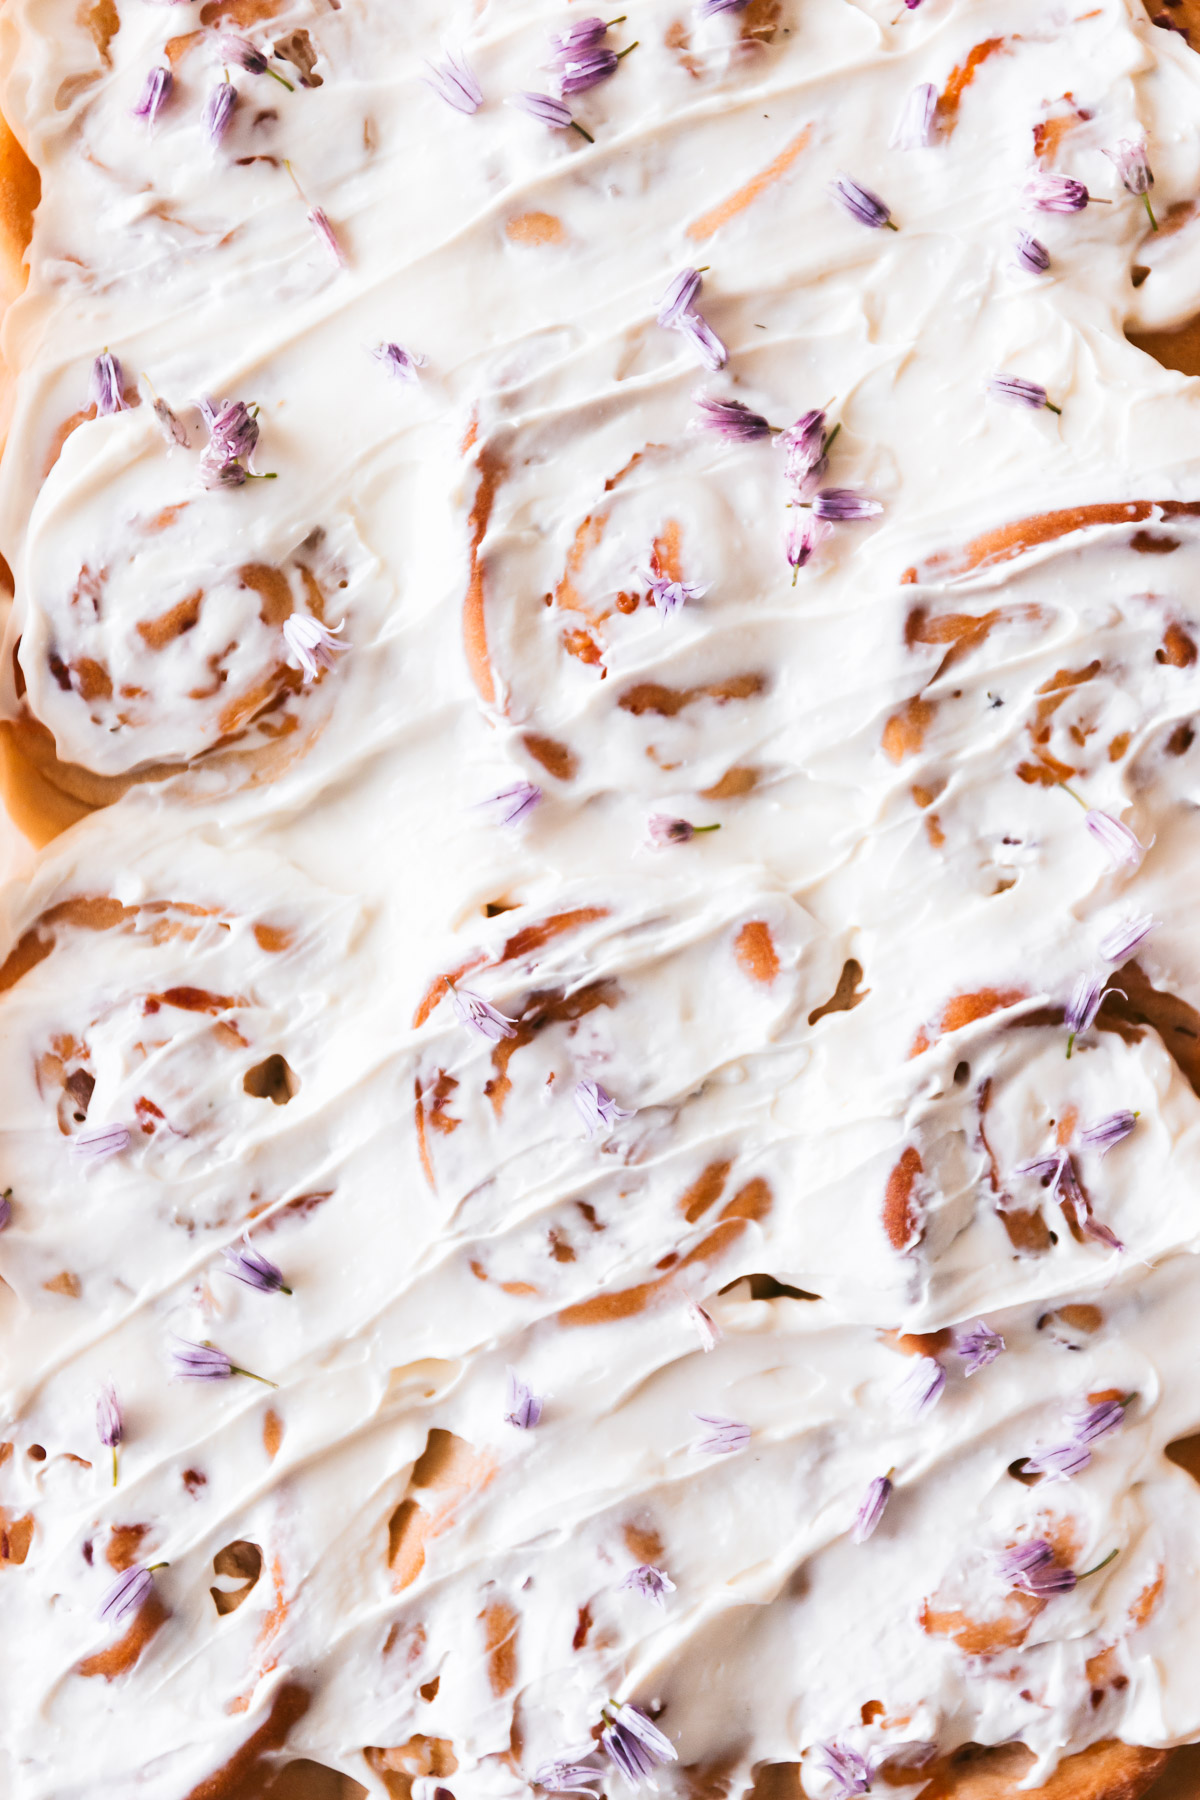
point(344, 818)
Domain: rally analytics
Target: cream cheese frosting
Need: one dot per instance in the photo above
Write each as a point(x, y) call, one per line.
point(837, 1026)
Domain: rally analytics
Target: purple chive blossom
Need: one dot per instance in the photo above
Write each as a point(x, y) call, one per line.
point(398, 361)
point(453, 81)
point(872, 1508)
point(1077, 1208)
point(567, 1777)
point(1056, 193)
point(555, 114)
point(1127, 937)
point(804, 445)
point(326, 235)
point(216, 476)
point(586, 70)
point(1092, 1228)
point(1083, 1006)
point(632, 1744)
point(861, 203)
point(6, 1210)
point(1032, 255)
point(650, 1582)
point(597, 1108)
point(710, 351)
point(588, 34)
point(169, 425)
point(849, 1772)
point(1117, 839)
point(232, 429)
point(705, 1326)
point(524, 1407)
point(732, 420)
point(922, 1387)
point(514, 803)
point(804, 535)
point(245, 55)
point(481, 1016)
point(979, 1346)
point(1031, 1568)
point(204, 1362)
point(1129, 160)
point(679, 297)
point(130, 1590)
point(106, 384)
point(709, 9)
point(663, 830)
point(1014, 390)
point(668, 596)
point(843, 506)
point(1060, 1462)
point(201, 1362)
point(218, 112)
point(253, 1269)
point(110, 1427)
point(1108, 1132)
point(311, 646)
point(1098, 1421)
point(95, 1143)
point(155, 94)
point(725, 1435)
point(914, 127)
point(1049, 1170)
point(242, 52)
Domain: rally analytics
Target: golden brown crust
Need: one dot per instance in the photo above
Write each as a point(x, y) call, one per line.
point(1106, 1771)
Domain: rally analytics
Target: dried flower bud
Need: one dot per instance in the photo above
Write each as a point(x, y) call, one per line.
point(914, 129)
point(979, 1346)
point(732, 420)
point(172, 430)
point(633, 1745)
point(132, 1588)
point(1032, 255)
point(1014, 390)
point(597, 1108)
point(861, 203)
point(312, 647)
point(155, 93)
point(845, 506)
point(453, 81)
point(872, 1509)
point(650, 1582)
point(1117, 839)
point(1121, 942)
point(96, 1143)
point(326, 236)
point(725, 1436)
point(105, 388)
point(524, 1407)
point(253, 1269)
point(512, 804)
point(1056, 193)
point(1107, 1133)
point(218, 112)
point(669, 597)
point(850, 1773)
point(399, 362)
point(480, 1016)
point(922, 1387)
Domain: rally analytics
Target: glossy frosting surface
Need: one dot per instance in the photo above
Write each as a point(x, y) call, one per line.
point(836, 1023)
